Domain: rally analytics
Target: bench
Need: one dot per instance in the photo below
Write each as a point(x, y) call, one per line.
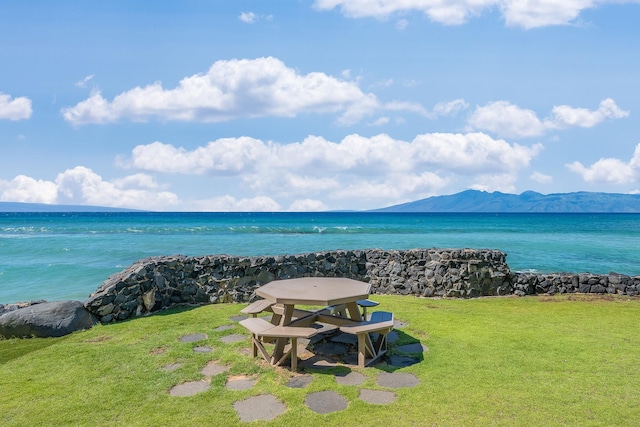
point(257, 307)
point(380, 322)
point(366, 303)
point(260, 328)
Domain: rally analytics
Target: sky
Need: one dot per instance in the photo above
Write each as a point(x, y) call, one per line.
point(312, 105)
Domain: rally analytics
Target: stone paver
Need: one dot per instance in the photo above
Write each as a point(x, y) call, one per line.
point(228, 339)
point(171, 366)
point(224, 328)
point(189, 388)
point(193, 337)
point(237, 318)
point(300, 381)
point(401, 361)
point(240, 382)
point(397, 379)
point(330, 349)
point(352, 378)
point(411, 348)
point(345, 339)
point(325, 402)
point(202, 349)
point(263, 407)
point(213, 368)
point(399, 324)
point(377, 397)
point(392, 337)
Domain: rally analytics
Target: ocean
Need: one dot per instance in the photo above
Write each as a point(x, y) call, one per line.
point(55, 256)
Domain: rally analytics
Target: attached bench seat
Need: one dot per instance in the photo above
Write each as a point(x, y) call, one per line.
point(257, 307)
point(260, 328)
point(380, 322)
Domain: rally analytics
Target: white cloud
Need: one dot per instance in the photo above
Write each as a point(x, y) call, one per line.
point(402, 24)
point(450, 108)
point(610, 170)
point(355, 168)
point(231, 204)
point(307, 205)
point(248, 17)
point(541, 178)
point(506, 120)
point(83, 83)
point(82, 186)
point(511, 121)
point(566, 116)
point(232, 89)
point(526, 14)
point(14, 109)
point(28, 190)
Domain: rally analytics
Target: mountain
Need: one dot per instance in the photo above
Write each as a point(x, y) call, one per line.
point(42, 207)
point(529, 201)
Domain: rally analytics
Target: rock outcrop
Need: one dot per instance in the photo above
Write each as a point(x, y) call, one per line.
point(46, 319)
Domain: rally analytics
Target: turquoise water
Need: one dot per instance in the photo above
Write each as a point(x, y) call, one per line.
point(58, 256)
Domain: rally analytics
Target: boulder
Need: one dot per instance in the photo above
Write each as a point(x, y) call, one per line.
point(48, 319)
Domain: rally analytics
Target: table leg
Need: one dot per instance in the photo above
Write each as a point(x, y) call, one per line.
point(281, 342)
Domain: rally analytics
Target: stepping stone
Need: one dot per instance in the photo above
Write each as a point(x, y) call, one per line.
point(241, 382)
point(412, 348)
point(193, 337)
point(202, 349)
point(263, 407)
point(171, 366)
point(352, 378)
point(325, 402)
point(330, 349)
point(224, 328)
point(317, 363)
point(189, 388)
point(301, 381)
point(401, 361)
point(246, 352)
point(345, 339)
point(237, 318)
point(228, 339)
point(377, 397)
point(399, 324)
point(397, 380)
point(324, 328)
point(392, 337)
point(213, 369)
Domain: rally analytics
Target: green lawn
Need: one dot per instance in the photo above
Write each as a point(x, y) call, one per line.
point(534, 361)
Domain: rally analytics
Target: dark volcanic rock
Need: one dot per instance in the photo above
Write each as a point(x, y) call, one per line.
point(49, 319)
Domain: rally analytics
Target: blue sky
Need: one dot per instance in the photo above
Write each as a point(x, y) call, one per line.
point(315, 105)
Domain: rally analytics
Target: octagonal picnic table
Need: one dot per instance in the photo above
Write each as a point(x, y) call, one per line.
point(313, 291)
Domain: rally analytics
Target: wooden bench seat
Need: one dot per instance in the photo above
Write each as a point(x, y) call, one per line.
point(261, 329)
point(257, 307)
point(380, 322)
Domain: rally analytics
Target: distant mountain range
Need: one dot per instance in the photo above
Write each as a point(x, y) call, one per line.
point(529, 201)
point(43, 207)
point(466, 201)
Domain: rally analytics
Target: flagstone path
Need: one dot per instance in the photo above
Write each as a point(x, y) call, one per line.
point(330, 350)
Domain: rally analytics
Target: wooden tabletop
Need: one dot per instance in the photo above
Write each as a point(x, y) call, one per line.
point(314, 291)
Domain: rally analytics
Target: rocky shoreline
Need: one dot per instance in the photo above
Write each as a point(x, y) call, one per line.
point(158, 283)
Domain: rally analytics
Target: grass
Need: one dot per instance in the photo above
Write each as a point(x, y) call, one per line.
point(564, 360)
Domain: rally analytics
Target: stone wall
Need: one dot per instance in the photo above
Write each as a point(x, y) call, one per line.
point(158, 283)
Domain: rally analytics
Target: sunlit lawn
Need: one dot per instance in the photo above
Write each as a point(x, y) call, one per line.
point(570, 360)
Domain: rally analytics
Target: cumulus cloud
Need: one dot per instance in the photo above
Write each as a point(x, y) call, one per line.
point(450, 108)
point(82, 186)
point(511, 121)
point(357, 167)
point(610, 170)
point(232, 204)
point(525, 14)
point(18, 108)
point(232, 89)
point(248, 17)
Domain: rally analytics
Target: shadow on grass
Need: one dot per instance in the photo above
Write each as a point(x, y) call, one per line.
point(14, 348)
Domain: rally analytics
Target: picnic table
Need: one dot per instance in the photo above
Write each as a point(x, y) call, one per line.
point(313, 291)
point(290, 300)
